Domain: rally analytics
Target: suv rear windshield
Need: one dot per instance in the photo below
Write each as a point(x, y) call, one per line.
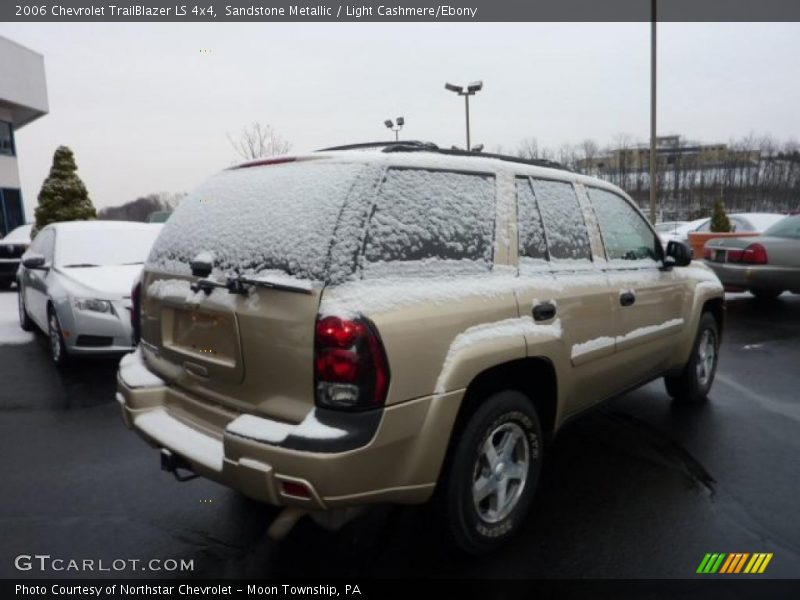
point(275, 217)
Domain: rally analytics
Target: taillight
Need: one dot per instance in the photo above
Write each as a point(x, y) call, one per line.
point(754, 254)
point(350, 367)
point(136, 311)
point(735, 255)
point(707, 252)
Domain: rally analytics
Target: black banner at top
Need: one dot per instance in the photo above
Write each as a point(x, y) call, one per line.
point(398, 10)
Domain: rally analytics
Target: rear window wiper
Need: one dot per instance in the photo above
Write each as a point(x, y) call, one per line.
point(240, 284)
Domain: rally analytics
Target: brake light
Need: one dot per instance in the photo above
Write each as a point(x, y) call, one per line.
point(707, 252)
point(754, 254)
point(350, 367)
point(136, 311)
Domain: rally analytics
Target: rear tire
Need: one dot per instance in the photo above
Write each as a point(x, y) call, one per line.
point(493, 472)
point(694, 382)
point(762, 294)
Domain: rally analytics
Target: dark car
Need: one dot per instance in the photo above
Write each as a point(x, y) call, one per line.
point(766, 265)
point(12, 247)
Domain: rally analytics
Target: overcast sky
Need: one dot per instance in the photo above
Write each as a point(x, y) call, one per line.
point(146, 111)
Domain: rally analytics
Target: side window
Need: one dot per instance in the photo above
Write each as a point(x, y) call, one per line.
point(626, 235)
point(426, 217)
point(564, 226)
point(532, 243)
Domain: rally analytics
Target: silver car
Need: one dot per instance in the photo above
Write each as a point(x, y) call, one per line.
point(75, 284)
point(766, 265)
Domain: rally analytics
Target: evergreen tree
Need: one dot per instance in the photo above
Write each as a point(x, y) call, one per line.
point(719, 220)
point(63, 196)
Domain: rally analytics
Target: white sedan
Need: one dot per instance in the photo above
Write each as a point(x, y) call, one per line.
point(75, 284)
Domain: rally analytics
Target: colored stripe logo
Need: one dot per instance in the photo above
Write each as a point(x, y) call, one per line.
point(734, 563)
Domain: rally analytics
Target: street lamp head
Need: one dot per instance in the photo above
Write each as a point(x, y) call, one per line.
point(478, 148)
point(475, 86)
point(388, 123)
point(453, 88)
point(400, 121)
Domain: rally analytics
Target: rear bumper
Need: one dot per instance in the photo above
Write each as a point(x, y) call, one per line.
point(746, 277)
point(399, 462)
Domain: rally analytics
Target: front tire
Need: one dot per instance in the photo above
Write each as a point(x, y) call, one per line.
point(25, 321)
point(493, 473)
point(58, 349)
point(694, 382)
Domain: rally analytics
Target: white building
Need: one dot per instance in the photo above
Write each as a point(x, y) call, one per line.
point(23, 98)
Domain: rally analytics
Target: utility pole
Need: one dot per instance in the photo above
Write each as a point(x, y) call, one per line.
point(653, 157)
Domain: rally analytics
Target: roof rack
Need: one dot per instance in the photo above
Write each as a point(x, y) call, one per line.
point(387, 146)
point(418, 146)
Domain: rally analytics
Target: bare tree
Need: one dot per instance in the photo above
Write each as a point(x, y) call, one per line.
point(259, 140)
point(528, 148)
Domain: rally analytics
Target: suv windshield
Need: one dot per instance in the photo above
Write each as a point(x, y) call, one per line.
point(274, 217)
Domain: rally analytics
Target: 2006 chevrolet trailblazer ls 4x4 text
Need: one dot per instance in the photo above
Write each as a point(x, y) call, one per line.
point(399, 323)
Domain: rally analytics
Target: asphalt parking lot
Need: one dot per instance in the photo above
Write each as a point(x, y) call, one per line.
point(637, 488)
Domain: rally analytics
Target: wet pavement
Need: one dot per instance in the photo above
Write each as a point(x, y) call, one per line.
point(639, 487)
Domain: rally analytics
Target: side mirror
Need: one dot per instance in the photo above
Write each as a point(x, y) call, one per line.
point(680, 254)
point(35, 261)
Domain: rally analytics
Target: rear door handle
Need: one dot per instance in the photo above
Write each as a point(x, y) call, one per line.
point(544, 311)
point(627, 298)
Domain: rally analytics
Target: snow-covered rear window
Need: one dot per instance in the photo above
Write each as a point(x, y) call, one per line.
point(277, 217)
point(567, 238)
point(625, 233)
point(423, 218)
point(532, 243)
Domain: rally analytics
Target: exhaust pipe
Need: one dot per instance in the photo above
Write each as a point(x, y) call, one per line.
point(172, 463)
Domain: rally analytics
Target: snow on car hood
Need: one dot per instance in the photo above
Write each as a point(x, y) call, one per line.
point(114, 281)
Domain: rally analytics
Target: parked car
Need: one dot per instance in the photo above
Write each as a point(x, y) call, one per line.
point(12, 247)
point(345, 328)
point(75, 284)
point(766, 266)
point(666, 227)
point(742, 222)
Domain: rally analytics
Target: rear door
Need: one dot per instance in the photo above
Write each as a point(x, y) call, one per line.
point(649, 300)
point(562, 290)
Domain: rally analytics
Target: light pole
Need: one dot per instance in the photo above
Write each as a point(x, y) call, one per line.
point(396, 128)
point(471, 89)
point(653, 149)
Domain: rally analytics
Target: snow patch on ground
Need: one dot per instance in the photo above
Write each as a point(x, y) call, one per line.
point(275, 432)
point(10, 331)
point(519, 327)
point(135, 374)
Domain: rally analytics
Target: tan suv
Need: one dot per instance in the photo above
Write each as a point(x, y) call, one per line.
point(392, 324)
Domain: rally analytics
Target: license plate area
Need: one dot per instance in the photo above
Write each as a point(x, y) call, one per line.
point(204, 337)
